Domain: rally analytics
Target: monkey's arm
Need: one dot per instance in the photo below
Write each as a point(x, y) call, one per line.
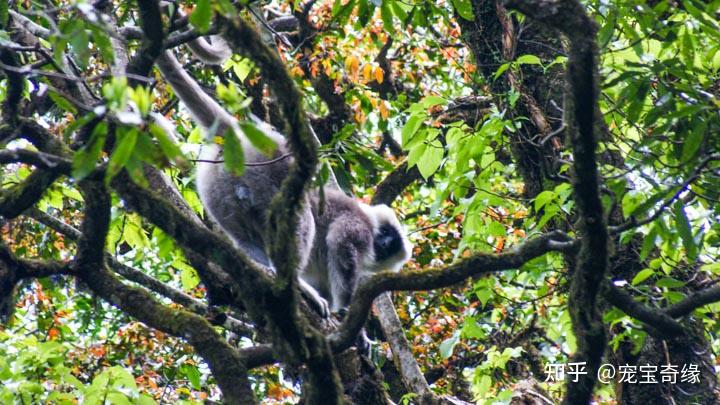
point(349, 241)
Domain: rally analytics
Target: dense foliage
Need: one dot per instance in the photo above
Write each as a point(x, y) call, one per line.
point(469, 116)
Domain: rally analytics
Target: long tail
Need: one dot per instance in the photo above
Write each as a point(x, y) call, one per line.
point(215, 53)
point(204, 109)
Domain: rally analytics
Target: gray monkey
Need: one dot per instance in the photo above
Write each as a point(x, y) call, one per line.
point(337, 246)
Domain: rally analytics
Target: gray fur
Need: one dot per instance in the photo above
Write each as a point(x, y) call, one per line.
point(335, 245)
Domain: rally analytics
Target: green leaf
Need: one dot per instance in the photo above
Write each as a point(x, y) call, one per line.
point(471, 329)
point(189, 279)
point(61, 102)
point(85, 159)
point(605, 33)
point(543, 198)
point(243, 68)
point(641, 276)
point(142, 98)
point(4, 14)
point(648, 243)
point(134, 167)
point(642, 208)
point(501, 70)
point(193, 375)
point(79, 41)
point(411, 127)
point(432, 101)
point(447, 346)
point(713, 268)
point(431, 159)
point(169, 148)
point(484, 295)
point(483, 385)
point(365, 11)
point(341, 12)
point(201, 16)
point(146, 399)
point(464, 8)
point(387, 16)
point(496, 229)
point(233, 153)
point(102, 40)
point(694, 140)
point(669, 282)
point(124, 146)
point(684, 229)
point(416, 153)
point(528, 60)
point(399, 11)
point(258, 138)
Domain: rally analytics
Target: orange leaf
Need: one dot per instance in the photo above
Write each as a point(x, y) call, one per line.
point(53, 333)
point(379, 74)
point(384, 113)
point(500, 244)
point(297, 71)
point(352, 64)
point(97, 351)
point(367, 72)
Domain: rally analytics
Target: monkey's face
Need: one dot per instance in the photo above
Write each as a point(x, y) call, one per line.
point(391, 248)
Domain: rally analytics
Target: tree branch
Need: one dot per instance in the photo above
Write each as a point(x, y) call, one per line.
point(225, 363)
point(180, 297)
point(40, 160)
point(305, 343)
point(655, 319)
point(694, 301)
point(17, 199)
point(477, 265)
point(394, 183)
point(152, 27)
point(582, 120)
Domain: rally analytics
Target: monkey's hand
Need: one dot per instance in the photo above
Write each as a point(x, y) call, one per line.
point(320, 303)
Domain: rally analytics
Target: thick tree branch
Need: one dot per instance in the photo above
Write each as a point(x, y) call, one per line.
point(693, 302)
point(143, 279)
point(654, 318)
point(305, 343)
point(40, 160)
point(152, 27)
point(29, 268)
point(474, 266)
point(394, 183)
point(410, 373)
point(17, 199)
point(226, 364)
point(582, 120)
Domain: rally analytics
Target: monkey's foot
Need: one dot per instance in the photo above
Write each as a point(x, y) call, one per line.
point(322, 306)
point(363, 342)
point(320, 303)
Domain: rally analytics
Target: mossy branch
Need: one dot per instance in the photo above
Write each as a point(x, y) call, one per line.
point(227, 365)
point(582, 118)
point(430, 279)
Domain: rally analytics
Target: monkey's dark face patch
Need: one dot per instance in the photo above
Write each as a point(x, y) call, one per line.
point(387, 242)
